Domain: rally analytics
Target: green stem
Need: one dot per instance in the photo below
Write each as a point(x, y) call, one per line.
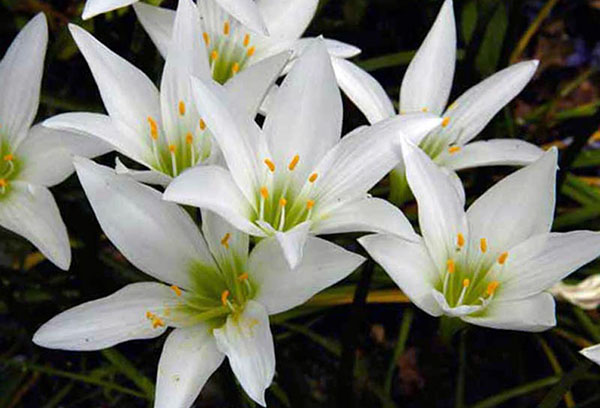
point(407, 317)
point(517, 391)
point(587, 323)
point(126, 368)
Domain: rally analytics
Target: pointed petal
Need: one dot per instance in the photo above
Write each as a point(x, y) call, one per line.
point(30, 211)
point(335, 48)
point(212, 188)
point(143, 176)
point(454, 311)
point(188, 359)
point(498, 152)
point(292, 243)
point(21, 72)
point(287, 19)
point(532, 314)
point(518, 207)
point(281, 288)
point(363, 90)
point(544, 260)
point(476, 107)
point(246, 12)
point(94, 7)
point(428, 79)
point(128, 94)
point(593, 353)
point(456, 182)
point(228, 245)
point(248, 344)
point(441, 214)
point(156, 236)
point(306, 116)
point(409, 265)
point(47, 155)
point(364, 215)
point(158, 23)
point(111, 320)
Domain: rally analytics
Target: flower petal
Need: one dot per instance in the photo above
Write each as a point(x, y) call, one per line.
point(158, 23)
point(543, 260)
point(409, 265)
point(363, 90)
point(143, 176)
point(280, 288)
point(593, 353)
point(94, 7)
point(128, 94)
point(156, 236)
point(212, 188)
point(47, 155)
point(189, 357)
point(228, 245)
point(441, 213)
point(21, 72)
point(532, 314)
point(30, 211)
point(248, 344)
point(454, 311)
point(306, 116)
point(498, 152)
point(287, 19)
point(292, 243)
point(428, 79)
point(476, 107)
point(111, 320)
point(518, 207)
point(246, 12)
point(364, 215)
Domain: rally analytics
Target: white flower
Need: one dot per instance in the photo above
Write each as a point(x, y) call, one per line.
point(491, 265)
point(217, 296)
point(295, 176)
point(162, 130)
point(585, 294)
point(33, 158)
point(426, 87)
point(593, 353)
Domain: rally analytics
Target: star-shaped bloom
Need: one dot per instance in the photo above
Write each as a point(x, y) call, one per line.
point(33, 158)
point(491, 265)
point(217, 296)
point(162, 131)
point(295, 177)
point(426, 87)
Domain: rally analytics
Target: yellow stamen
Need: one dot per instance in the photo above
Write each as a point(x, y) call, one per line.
point(313, 177)
point(149, 315)
point(243, 277)
point(445, 122)
point(491, 287)
point(206, 38)
point(225, 240)
point(502, 258)
point(176, 289)
point(250, 51)
point(172, 148)
point(466, 282)
point(157, 322)
point(226, 28)
point(460, 240)
point(282, 202)
point(189, 139)
point(246, 40)
point(483, 245)
point(224, 297)
point(424, 110)
point(214, 55)
point(181, 107)
point(202, 125)
point(453, 149)
point(294, 162)
point(264, 192)
point(3, 183)
point(9, 157)
point(235, 68)
point(153, 128)
point(310, 204)
point(450, 266)
point(270, 165)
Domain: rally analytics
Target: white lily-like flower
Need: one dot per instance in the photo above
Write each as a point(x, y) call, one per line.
point(33, 158)
point(585, 294)
point(162, 131)
point(592, 353)
point(426, 87)
point(217, 296)
point(295, 177)
point(490, 265)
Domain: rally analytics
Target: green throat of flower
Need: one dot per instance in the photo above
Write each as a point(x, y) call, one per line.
point(9, 169)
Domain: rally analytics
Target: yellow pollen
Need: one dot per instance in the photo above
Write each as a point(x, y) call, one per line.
point(149, 315)
point(214, 55)
point(206, 38)
point(176, 289)
point(235, 68)
point(313, 177)
point(246, 40)
point(450, 266)
point(225, 240)
point(172, 148)
point(483, 245)
point(264, 192)
point(3, 183)
point(250, 51)
point(466, 282)
point(460, 240)
point(491, 287)
point(502, 258)
point(270, 165)
point(310, 204)
point(189, 139)
point(153, 128)
point(226, 28)
point(282, 202)
point(453, 149)
point(224, 297)
point(9, 157)
point(294, 162)
point(243, 277)
point(424, 110)
point(202, 125)
point(156, 321)
point(445, 122)
point(181, 107)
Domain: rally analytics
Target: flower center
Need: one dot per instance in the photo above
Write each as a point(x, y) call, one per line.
point(9, 166)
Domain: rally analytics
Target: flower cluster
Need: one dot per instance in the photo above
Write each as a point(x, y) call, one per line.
point(265, 192)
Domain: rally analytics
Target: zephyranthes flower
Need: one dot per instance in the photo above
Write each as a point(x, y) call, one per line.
point(426, 87)
point(217, 296)
point(584, 294)
point(295, 176)
point(491, 265)
point(162, 131)
point(33, 158)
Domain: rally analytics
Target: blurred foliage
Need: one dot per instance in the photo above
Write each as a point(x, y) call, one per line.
point(347, 347)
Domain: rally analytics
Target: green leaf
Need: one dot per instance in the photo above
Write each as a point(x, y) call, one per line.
point(469, 20)
point(491, 45)
point(126, 368)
